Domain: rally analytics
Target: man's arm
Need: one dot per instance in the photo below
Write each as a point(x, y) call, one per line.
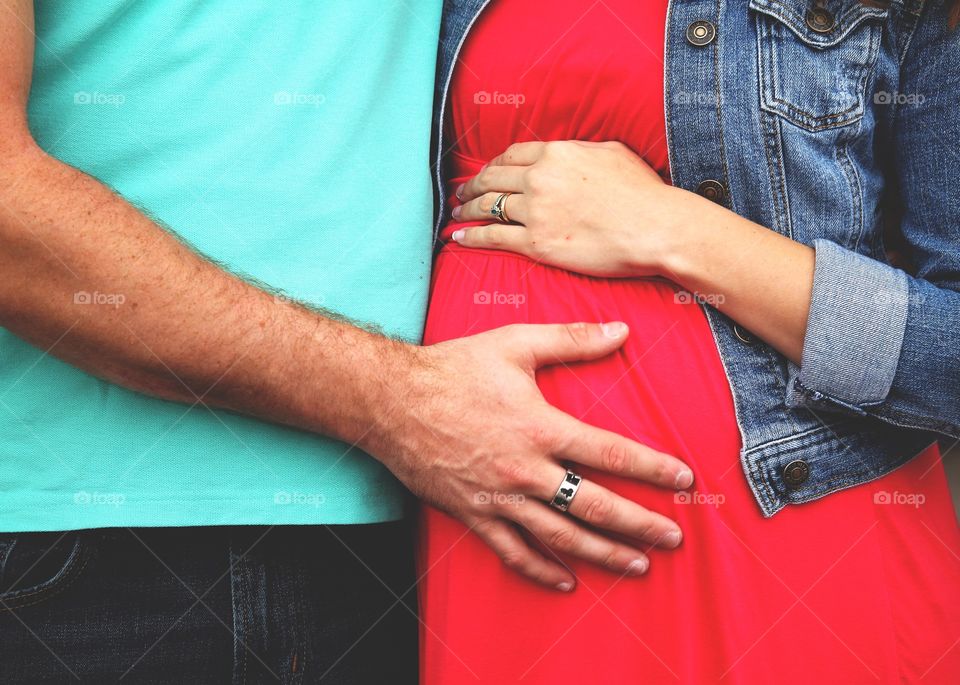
point(188, 331)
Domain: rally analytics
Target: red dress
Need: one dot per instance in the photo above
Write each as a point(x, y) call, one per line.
point(862, 586)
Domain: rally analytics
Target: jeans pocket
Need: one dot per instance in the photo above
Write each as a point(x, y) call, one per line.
point(815, 58)
point(36, 566)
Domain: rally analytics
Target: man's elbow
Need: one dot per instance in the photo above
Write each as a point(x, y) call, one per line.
point(22, 162)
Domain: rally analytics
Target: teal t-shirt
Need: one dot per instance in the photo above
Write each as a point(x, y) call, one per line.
point(289, 141)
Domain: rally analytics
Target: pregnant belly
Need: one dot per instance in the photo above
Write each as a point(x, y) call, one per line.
point(723, 606)
point(665, 387)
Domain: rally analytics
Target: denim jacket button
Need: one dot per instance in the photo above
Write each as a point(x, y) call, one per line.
point(743, 336)
point(701, 33)
point(712, 190)
point(821, 20)
point(796, 473)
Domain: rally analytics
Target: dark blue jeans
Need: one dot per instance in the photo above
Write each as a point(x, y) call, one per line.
point(288, 604)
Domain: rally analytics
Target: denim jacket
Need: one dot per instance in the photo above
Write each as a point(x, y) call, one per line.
point(824, 120)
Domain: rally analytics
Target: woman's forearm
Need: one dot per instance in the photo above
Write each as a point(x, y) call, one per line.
point(757, 277)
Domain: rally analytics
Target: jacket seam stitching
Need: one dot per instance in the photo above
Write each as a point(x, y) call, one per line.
point(719, 113)
point(810, 432)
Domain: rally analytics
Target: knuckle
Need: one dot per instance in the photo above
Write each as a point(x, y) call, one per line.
point(482, 180)
point(482, 527)
point(536, 181)
point(488, 199)
point(645, 527)
point(659, 471)
point(564, 538)
point(513, 559)
point(477, 234)
point(516, 336)
point(521, 563)
point(552, 147)
point(540, 436)
point(536, 574)
point(615, 458)
point(578, 333)
point(513, 474)
point(515, 331)
point(493, 237)
point(598, 511)
point(611, 559)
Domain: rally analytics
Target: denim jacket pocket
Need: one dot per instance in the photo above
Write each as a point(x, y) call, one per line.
point(815, 58)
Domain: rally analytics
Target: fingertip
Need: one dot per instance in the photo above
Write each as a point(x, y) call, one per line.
point(684, 479)
point(615, 330)
point(672, 539)
point(458, 235)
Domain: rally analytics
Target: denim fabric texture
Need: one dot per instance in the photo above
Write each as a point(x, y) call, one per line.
point(237, 605)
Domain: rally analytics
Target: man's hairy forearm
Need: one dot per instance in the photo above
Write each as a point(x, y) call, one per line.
point(166, 321)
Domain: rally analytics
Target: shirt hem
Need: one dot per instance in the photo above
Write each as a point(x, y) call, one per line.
point(46, 512)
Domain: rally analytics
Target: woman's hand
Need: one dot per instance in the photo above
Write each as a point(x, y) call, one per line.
point(598, 209)
point(593, 208)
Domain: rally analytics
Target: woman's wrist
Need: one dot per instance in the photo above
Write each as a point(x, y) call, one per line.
point(682, 234)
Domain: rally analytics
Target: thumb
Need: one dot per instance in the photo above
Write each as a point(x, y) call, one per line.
point(545, 344)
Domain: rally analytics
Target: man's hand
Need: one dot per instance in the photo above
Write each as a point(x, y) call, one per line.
point(472, 422)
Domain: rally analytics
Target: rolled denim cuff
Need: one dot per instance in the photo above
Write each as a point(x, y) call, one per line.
point(858, 316)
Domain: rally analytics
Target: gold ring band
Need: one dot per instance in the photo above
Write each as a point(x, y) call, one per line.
point(499, 209)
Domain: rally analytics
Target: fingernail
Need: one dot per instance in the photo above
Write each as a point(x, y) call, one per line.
point(458, 235)
point(615, 329)
point(565, 587)
point(460, 190)
point(672, 539)
point(638, 567)
point(684, 479)
point(457, 211)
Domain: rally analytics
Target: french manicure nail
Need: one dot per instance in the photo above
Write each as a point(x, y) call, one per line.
point(457, 211)
point(460, 190)
point(638, 567)
point(684, 479)
point(672, 539)
point(615, 329)
point(458, 235)
point(565, 587)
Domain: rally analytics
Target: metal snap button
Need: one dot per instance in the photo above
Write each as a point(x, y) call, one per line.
point(743, 335)
point(712, 190)
point(821, 20)
point(796, 472)
point(701, 33)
